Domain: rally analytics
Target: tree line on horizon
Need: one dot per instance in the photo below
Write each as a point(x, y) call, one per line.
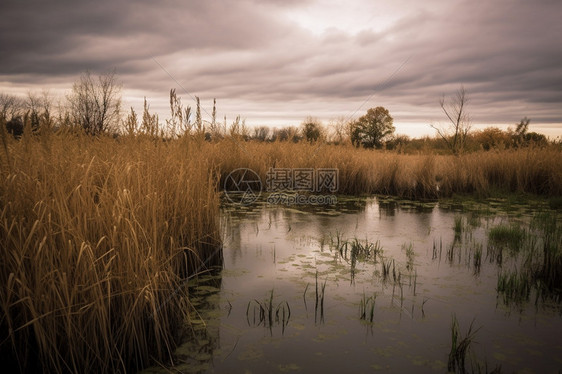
point(94, 107)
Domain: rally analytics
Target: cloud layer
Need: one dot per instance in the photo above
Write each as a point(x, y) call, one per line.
point(278, 61)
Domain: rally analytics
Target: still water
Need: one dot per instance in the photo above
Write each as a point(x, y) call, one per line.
point(293, 297)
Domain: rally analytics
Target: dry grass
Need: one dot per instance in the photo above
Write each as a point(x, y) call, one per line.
point(96, 237)
point(527, 170)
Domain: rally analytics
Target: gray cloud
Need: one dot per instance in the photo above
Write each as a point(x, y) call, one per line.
point(253, 55)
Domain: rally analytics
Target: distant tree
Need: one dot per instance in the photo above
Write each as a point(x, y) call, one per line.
point(520, 132)
point(535, 139)
point(312, 129)
point(491, 137)
point(372, 129)
point(456, 132)
point(339, 130)
point(522, 127)
point(398, 142)
point(10, 107)
point(32, 114)
point(95, 102)
point(289, 133)
point(15, 126)
point(261, 133)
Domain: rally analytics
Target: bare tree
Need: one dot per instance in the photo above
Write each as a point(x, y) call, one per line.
point(43, 105)
point(95, 103)
point(340, 130)
point(261, 133)
point(456, 131)
point(10, 106)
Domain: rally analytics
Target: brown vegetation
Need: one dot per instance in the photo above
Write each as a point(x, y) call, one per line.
point(526, 170)
point(97, 236)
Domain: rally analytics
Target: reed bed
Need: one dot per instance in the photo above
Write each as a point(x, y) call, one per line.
point(97, 238)
point(427, 176)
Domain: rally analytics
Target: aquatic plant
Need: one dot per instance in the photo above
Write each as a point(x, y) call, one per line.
point(458, 225)
point(477, 258)
point(319, 300)
point(514, 287)
point(539, 262)
point(436, 253)
point(367, 308)
point(409, 249)
point(460, 346)
point(267, 313)
point(510, 236)
point(385, 265)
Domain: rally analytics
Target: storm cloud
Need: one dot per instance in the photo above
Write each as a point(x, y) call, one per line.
point(275, 62)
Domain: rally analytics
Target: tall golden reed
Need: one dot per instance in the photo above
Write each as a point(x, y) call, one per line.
point(526, 170)
point(97, 236)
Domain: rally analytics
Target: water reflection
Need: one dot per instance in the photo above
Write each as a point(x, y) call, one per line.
point(370, 285)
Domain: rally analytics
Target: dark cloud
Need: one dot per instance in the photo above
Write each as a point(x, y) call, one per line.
point(255, 55)
point(65, 37)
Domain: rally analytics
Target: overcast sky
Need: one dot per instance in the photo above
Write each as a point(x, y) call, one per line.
point(275, 62)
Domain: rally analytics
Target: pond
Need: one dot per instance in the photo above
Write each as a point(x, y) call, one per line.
point(377, 284)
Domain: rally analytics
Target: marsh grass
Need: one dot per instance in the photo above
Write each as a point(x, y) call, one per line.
point(367, 308)
point(437, 252)
point(510, 236)
point(527, 170)
point(515, 287)
point(549, 271)
point(473, 220)
point(362, 251)
point(386, 265)
point(319, 300)
point(355, 250)
point(458, 227)
point(477, 258)
point(267, 313)
point(460, 346)
point(537, 263)
point(98, 236)
point(409, 250)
